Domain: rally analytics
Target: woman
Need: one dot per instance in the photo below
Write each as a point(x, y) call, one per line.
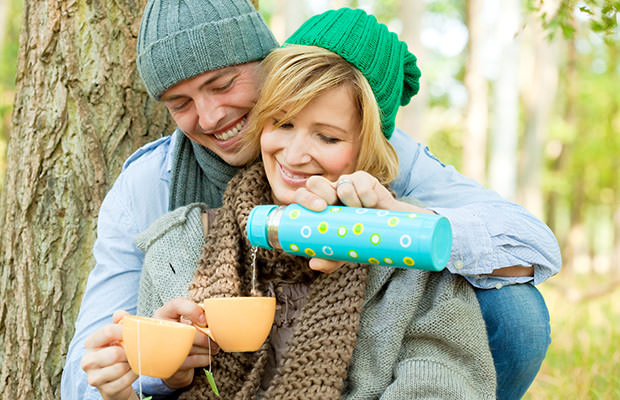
point(324, 115)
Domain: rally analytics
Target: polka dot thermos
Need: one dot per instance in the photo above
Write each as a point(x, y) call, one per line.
point(351, 234)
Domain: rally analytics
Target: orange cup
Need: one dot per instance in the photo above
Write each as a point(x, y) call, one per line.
point(162, 345)
point(239, 324)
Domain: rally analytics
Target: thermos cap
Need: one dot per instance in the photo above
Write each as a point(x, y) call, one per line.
point(256, 228)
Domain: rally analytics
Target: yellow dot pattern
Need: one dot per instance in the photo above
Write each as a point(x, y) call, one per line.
point(323, 226)
point(358, 229)
point(393, 221)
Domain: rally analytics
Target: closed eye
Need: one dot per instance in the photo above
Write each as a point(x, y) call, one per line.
point(179, 106)
point(286, 125)
point(328, 139)
point(225, 86)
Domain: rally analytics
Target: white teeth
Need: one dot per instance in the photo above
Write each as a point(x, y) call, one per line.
point(292, 176)
point(232, 132)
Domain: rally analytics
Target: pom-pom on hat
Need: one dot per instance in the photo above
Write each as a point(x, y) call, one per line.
point(181, 39)
point(382, 58)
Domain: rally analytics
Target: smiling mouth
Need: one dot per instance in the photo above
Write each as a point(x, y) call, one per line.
point(232, 132)
point(290, 176)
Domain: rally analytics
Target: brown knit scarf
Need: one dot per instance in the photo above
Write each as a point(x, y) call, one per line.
point(319, 352)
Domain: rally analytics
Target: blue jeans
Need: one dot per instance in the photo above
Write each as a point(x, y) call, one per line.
point(517, 323)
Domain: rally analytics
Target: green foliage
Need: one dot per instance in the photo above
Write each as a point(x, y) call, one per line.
point(589, 135)
point(10, 46)
point(602, 16)
point(386, 10)
point(452, 8)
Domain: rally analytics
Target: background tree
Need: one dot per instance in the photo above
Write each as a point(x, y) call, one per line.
point(80, 109)
point(539, 73)
point(477, 113)
point(505, 125)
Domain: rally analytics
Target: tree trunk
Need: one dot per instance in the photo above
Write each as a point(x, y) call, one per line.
point(80, 110)
point(411, 118)
point(476, 115)
point(558, 166)
point(539, 94)
point(503, 158)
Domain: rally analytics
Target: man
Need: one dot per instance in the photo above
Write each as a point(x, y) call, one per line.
point(200, 58)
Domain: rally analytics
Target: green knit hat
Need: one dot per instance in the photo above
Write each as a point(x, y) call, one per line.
point(181, 39)
point(383, 59)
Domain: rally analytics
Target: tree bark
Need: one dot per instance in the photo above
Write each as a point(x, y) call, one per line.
point(80, 110)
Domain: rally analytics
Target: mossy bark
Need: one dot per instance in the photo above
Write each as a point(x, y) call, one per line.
point(80, 110)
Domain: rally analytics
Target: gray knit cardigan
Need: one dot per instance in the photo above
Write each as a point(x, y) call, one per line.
point(421, 334)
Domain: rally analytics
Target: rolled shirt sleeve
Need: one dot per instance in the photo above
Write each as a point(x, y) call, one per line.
point(137, 197)
point(489, 232)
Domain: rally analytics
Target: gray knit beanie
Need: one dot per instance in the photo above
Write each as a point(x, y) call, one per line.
point(181, 39)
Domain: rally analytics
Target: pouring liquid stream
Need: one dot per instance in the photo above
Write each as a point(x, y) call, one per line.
point(254, 291)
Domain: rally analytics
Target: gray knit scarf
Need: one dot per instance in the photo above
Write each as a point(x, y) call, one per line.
point(198, 175)
point(320, 349)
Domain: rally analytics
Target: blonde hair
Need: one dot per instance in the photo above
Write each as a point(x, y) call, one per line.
point(294, 75)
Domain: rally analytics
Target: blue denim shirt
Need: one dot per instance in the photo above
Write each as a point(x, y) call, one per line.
point(488, 233)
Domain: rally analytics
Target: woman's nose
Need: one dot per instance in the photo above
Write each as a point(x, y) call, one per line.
point(298, 149)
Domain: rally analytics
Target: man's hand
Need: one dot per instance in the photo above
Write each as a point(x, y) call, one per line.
point(105, 362)
point(186, 311)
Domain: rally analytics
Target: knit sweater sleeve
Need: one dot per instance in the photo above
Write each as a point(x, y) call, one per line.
point(171, 246)
point(444, 352)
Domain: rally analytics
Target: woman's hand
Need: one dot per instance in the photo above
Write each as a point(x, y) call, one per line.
point(359, 189)
point(184, 310)
point(105, 362)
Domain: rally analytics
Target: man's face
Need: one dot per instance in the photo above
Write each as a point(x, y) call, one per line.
point(212, 108)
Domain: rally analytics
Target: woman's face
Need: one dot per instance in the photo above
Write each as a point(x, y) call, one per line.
point(322, 139)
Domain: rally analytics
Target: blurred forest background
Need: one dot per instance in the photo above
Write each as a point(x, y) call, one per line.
point(523, 96)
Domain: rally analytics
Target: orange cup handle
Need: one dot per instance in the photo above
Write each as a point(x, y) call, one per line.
point(205, 330)
point(120, 322)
